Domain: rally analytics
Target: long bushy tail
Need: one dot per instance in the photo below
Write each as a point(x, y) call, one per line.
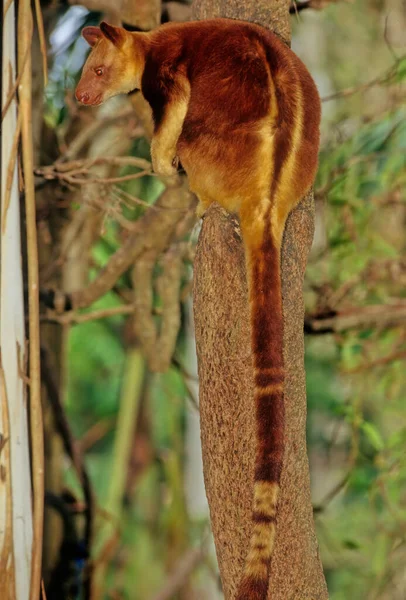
point(264, 274)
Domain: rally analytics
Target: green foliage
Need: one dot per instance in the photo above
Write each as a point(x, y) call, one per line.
point(355, 379)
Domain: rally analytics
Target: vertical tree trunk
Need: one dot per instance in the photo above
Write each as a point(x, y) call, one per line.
point(226, 379)
point(15, 480)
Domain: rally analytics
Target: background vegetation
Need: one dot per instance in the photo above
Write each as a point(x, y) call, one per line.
point(138, 430)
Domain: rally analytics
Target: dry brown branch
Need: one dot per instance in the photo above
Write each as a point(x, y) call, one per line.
point(83, 165)
point(42, 41)
point(25, 30)
point(70, 171)
point(168, 286)
point(321, 507)
point(385, 315)
point(144, 323)
point(177, 579)
point(133, 199)
point(15, 85)
point(44, 596)
point(73, 318)
point(158, 341)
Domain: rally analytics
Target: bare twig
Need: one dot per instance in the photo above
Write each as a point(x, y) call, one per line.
point(42, 42)
point(168, 286)
point(17, 82)
point(83, 165)
point(43, 593)
point(385, 315)
point(70, 171)
point(25, 30)
point(72, 318)
point(319, 508)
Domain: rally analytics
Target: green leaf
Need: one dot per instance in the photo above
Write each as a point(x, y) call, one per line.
point(373, 435)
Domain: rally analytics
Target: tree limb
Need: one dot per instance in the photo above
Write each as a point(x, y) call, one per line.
point(154, 228)
point(226, 379)
point(385, 315)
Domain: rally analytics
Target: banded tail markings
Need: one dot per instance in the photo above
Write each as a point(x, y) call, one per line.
point(265, 498)
point(267, 340)
point(270, 389)
point(264, 379)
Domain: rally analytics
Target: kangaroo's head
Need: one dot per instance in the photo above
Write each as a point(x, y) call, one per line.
point(114, 66)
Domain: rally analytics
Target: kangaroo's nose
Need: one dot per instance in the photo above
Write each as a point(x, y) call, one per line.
point(82, 97)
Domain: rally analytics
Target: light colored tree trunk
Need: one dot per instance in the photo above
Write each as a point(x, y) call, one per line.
point(15, 482)
point(226, 379)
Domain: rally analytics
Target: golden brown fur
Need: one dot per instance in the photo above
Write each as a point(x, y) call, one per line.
point(241, 113)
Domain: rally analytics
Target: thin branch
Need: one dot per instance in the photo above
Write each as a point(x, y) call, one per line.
point(385, 315)
point(42, 42)
point(25, 31)
point(83, 165)
point(73, 318)
point(17, 82)
point(321, 507)
point(168, 286)
point(69, 171)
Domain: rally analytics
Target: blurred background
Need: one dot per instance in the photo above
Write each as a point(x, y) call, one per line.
point(138, 431)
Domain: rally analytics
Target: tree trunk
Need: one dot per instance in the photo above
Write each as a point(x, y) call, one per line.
point(226, 379)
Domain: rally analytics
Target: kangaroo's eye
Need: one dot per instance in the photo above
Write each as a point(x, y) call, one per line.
point(99, 71)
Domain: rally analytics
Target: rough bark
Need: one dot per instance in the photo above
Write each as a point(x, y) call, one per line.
point(226, 380)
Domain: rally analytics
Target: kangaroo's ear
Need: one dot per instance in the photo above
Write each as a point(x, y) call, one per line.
point(114, 34)
point(91, 35)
